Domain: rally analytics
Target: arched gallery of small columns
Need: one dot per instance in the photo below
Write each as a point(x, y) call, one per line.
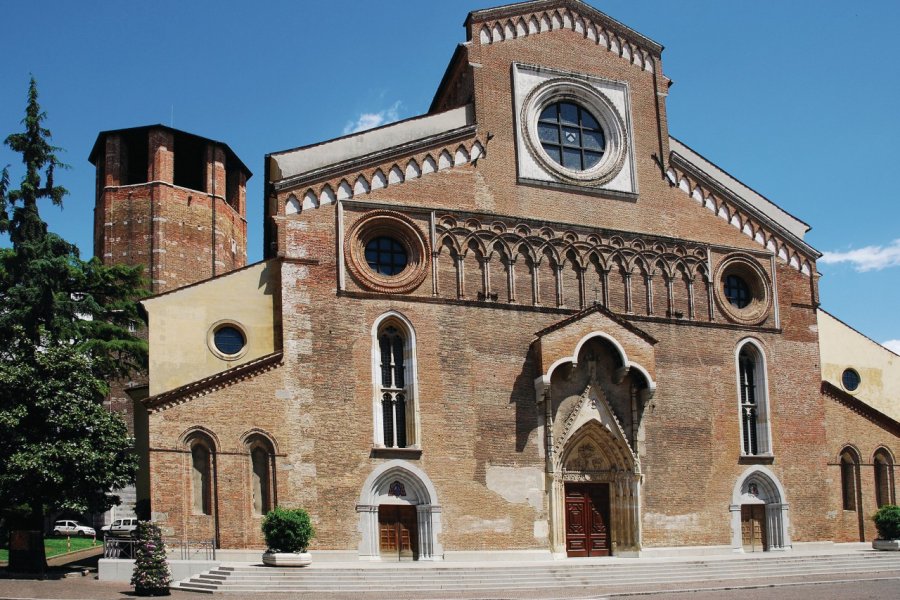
point(510, 29)
point(592, 406)
point(741, 222)
point(539, 273)
point(361, 184)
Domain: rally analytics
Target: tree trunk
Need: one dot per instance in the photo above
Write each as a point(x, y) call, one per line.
point(26, 544)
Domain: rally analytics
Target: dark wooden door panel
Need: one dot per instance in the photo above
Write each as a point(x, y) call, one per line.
point(398, 532)
point(587, 520)
point(753, 527)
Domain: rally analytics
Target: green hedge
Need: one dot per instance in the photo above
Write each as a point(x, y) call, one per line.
point(287, 530)
point(887, 521)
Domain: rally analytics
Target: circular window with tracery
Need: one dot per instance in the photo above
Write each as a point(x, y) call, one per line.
point(850, 379)
point(573, 131)
point(571, 136)
point(742, 290)
point(386, 256)
point(386, 252)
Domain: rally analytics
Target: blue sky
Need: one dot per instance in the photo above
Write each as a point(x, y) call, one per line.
point(797, 99)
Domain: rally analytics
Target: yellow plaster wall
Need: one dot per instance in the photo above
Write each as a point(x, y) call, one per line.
point(181, 323)
point(842, 347)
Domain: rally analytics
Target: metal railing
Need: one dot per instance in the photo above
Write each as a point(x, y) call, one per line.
point(191, 549)
point(118, 548)
point(182, 548)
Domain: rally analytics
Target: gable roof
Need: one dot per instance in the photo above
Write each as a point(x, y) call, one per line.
point(755, 203)
point(298, 161)
point(523, 8)
point(201, 387)
point(860, 407)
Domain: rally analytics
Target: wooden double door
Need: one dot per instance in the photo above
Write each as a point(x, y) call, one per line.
point(398, 532)
point(587, 519)
point(753, 527)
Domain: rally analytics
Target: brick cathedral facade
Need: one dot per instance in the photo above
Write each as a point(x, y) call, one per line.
point(529, 322)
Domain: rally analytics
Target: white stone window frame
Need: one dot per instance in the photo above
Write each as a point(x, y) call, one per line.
point(211, 340)
point(535, 88)
point(413, 436)
point(761, 384)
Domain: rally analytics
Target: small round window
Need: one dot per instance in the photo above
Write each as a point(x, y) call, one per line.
point(737, 291)
point(850, 379)
point(386, 256)
point(571, 136)
point(229, 340)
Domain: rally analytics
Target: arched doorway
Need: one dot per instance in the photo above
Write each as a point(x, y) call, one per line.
point(759, 513)
point(594, 477)
point(591, 407)
point(399, 516)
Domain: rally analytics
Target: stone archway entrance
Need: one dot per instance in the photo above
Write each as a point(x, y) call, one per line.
point(591, 406)
point(759, 513)
point(399, 516)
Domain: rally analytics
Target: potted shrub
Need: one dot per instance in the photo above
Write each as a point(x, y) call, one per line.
point(287, 532)
point(151, 575)
point(887, 521)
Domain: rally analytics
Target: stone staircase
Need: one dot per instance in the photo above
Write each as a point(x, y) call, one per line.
point(601, 577)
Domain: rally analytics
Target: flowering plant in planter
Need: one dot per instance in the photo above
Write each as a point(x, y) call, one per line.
point(151, 575)
point(288, 533)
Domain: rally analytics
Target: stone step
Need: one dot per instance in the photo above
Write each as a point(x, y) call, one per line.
point(508, 577)
point(567, 566)
point(465, 584)
point(377, 574)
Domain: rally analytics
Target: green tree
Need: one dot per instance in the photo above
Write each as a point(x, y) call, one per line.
point(64, 331)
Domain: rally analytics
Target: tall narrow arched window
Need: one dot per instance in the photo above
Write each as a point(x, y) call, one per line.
point(753, 399)
point(849, 470)
point(201, 477)
point(884, 477)
point(261, 450)
point(394, 382)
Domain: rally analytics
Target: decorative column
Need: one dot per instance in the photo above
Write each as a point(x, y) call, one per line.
point(737, 541)
point(628, 305)
point(690, 291)
point(368, 530)
point(581, 271)
point(510, 279)
point(559, 287)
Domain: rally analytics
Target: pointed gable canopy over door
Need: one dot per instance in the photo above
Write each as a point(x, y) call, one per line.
point(561, 343)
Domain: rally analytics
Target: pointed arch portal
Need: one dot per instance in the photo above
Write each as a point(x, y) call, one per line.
point(399, 490)
point(593, 402)
point(759, 513)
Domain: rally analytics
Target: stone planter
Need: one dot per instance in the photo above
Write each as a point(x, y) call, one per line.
point(886, 544)
point(287, 559)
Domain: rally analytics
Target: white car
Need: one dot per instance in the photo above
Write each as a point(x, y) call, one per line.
point(120, 528)
point(73, 528)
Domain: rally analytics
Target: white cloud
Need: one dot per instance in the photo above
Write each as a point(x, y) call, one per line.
point(373, 119)
point(870, 258)
point(892, 345)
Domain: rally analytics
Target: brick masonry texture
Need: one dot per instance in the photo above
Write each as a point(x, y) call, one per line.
point(477, 358)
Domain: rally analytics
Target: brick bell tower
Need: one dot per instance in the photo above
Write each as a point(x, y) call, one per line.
point(170, 201)
point(174, 203)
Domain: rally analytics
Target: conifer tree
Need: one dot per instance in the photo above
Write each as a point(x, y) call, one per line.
point(64, 331)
